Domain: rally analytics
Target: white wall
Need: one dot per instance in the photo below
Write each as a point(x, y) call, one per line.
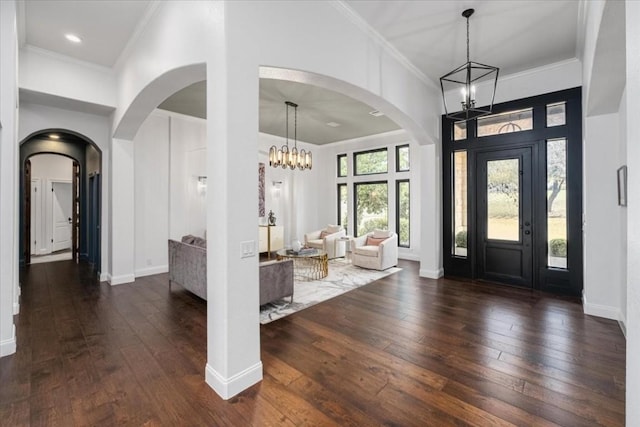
point(9, 290)
point(51, 166)
point(188, 148)
point(151, 181)
point(622, 244)
point(35, 118)
point(601, 232)
point(633, 212)
point(49, 73)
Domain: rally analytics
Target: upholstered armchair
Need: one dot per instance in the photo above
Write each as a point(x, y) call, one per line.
point(377, 250)
point(327, 240)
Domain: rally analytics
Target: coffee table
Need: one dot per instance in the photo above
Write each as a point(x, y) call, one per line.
point(311, 266)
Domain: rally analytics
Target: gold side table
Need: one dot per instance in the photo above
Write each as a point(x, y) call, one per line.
point(312, 266)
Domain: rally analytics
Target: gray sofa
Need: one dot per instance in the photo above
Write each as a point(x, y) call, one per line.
point(188, 268)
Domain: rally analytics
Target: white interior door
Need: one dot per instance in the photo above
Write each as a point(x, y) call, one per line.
point(61, 210)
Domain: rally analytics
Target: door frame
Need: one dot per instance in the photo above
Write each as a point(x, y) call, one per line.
point(50, 211)
point(567, 281)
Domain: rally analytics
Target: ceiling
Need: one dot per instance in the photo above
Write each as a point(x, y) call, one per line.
point(513, 35)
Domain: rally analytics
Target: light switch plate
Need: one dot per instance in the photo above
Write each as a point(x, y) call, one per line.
point(248, 249)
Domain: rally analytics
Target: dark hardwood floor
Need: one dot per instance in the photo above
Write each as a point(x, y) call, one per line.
point(401, 351)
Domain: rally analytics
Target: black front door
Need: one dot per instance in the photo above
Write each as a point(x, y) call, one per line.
point(504, 230)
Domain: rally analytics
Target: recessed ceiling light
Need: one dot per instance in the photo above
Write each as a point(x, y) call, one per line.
point(54, 136)
point(376, 113)
point(333, 124)
point(73, 38)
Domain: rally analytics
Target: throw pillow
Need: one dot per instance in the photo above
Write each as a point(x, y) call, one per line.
point(372, 241)
point(188, 239)
point(381, 234)
point(333, 228)
point(324, 233)
point(200, 242)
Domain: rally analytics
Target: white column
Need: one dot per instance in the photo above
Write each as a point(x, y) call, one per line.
point(431, 211)
point(633, 212)
point(8, 176)
point(233, 329)
point(122, 213)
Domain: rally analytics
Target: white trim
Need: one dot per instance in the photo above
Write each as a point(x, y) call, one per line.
point(361, 23)
point(229, 387)
point(623, 326)
point(16, 308)
point(68, 59)
point(121, 280)
point(159, 112)
point(431, 274)
point(8, 347)
point(140, 27)
point(103, 277)
point(533, 71)
point(408, 256)
point(599, 310)
point(149, 271)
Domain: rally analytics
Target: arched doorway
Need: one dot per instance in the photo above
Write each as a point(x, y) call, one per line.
point(85, 189)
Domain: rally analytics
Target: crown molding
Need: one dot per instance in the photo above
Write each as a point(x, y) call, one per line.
point(151, 10)
point(68, 59)
point(363, 25)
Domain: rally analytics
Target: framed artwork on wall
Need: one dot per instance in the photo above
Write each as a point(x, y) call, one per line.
point(261, 190)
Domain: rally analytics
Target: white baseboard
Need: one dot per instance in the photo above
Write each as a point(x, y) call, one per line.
point(229, 387)
point(152, 270)
point(431, 274)
point(16, 308)
point(103, 277)
point(409, 257)
point(600, 310)
point(121, 280)
point(623, 327)
point(8, 346)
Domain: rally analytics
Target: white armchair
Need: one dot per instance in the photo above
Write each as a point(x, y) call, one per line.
point(327, 240)
point(377, 250)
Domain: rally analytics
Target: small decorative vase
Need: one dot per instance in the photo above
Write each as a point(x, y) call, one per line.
point(296, 245)
point(272, 218)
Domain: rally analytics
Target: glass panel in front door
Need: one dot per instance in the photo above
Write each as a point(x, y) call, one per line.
point(503, 199)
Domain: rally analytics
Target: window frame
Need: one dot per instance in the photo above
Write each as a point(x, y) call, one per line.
point(339, 186)
point(398, 183)
point(375, 150)
point(355, 202)
point(398, 148)
point(340, 157)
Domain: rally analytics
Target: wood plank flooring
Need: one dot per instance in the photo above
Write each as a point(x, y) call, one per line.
point(402, 351)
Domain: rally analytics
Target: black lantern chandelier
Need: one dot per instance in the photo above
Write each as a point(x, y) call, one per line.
point(465, 80)
point(291, 158)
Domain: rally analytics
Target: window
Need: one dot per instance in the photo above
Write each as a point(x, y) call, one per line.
point(342, 165)
point(557, 202)
point(343, 213)
point(370, 162)
point(459, 219)
point(459, 131)
point(371, 206)
point(556, 114)
point(402, 158)
point(503, 200)
point(511, 121)
point(402, 212)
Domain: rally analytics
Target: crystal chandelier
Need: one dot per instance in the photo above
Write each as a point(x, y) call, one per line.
point(465, 79)
point(290, 158)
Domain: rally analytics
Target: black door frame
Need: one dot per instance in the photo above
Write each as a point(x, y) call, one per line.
point(566, 281)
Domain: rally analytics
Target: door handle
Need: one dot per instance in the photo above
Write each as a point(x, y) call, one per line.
point(69, 220)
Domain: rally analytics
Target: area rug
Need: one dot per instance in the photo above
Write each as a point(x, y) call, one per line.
point(343, 277)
